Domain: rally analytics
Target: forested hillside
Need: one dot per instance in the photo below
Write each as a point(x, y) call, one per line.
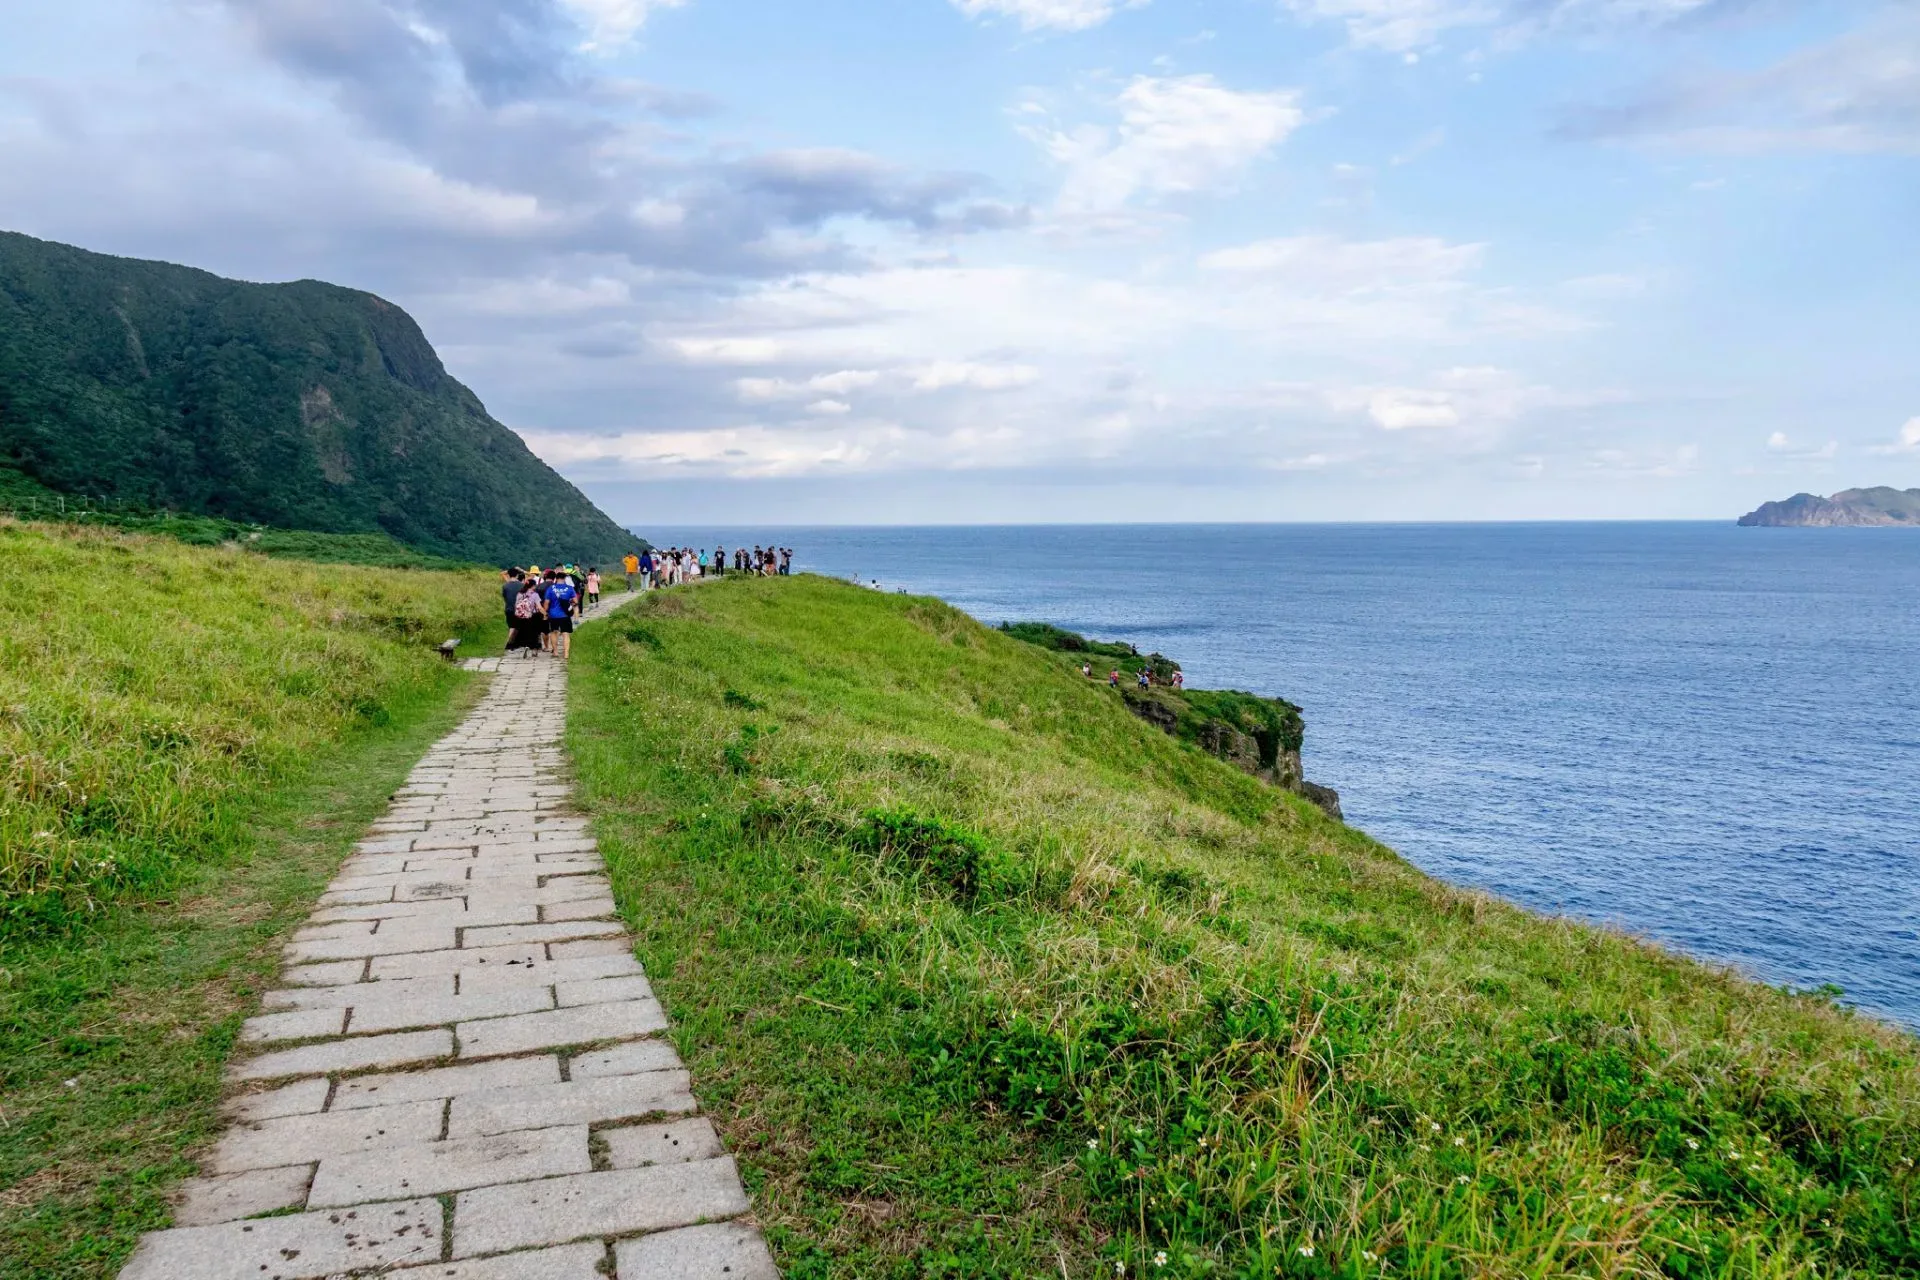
point(305, 406)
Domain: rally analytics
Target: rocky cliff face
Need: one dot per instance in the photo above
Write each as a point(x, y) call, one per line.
point(1272, 757)
point(1881, 507)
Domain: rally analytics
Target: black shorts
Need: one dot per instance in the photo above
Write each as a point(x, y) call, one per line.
point(563, 626)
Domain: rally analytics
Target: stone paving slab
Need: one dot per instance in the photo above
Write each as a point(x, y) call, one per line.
point(458, 1018)
point(589, 1101)
point(230, 1197)
point(617, 1203)
point(445, 1082)
point(304, 1246)
point(676, 1142)
point(292, 1139)
point(434, 1168)
point(720, 1251)
point(568, 1262)
point(584, 1024)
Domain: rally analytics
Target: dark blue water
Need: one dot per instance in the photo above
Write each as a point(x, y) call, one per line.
point(1703, 734)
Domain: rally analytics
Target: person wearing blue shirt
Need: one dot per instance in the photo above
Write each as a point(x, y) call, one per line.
point(560, 596)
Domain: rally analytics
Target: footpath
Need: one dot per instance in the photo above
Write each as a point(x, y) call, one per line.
point(462, 1076)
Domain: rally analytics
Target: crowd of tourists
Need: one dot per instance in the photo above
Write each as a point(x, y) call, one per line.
point(673, 566)
point(542, 605)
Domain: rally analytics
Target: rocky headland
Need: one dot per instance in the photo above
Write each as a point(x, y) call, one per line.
point(1881, 507)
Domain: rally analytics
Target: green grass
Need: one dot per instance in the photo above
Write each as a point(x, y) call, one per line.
point(113, 1036)
point(151, 688)
point(982, 976)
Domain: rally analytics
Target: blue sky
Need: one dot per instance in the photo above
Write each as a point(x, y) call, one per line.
point(1082, 260)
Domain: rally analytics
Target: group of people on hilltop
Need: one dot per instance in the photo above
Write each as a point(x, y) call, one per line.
point(543, 604)
point(673, 566)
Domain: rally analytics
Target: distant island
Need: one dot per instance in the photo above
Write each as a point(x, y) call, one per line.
point(1851, 508)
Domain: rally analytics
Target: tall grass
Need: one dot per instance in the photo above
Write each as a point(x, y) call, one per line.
point(148, 688)
point(986, 977)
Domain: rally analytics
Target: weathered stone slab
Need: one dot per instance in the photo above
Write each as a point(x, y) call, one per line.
point(331, 974)
point(302, 1097)
point(230, 1197)
point(582, 1025)
point(348, 1055)
point(549, 972)
point(625, 1060)
point(622, 946)
point(569, 1262)
point(434, 1168)
point(719, 1251)
point(305, 1246)
point(270, 1144)
point(603, 991)
point(525, 934)
point(392, 1015)
point(445, 1082)
point(423, 963)
point(591, 1101)
point(438, 938)
point(584, 908)
point(620, 1202)
point(676, 1142)
point(295, 1024)
point(360, 993)
point(366, 893)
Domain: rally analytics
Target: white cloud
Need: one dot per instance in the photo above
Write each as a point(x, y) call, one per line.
point(1036, 15)
point(1175, 135)
point(1908, 441)
point(1410, 26)
point(1858, 93)
point(727, 350)
point(829, 408)
point(611, 23)
point(1330, 263)
point(1397, 26)
point(761, 390)
point(1400, 409)
point(980, 377)
point(1779, 443)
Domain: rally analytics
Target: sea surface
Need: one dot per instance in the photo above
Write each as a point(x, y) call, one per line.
point(1702, 734)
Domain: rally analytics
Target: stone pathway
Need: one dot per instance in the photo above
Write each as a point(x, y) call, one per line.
point(462, 1076)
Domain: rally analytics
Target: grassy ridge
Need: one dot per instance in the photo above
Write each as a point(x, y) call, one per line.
point(984, 977)
point(150, 689)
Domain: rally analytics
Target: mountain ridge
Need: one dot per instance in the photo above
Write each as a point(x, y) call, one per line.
point(1878, 507)
point(304, 405)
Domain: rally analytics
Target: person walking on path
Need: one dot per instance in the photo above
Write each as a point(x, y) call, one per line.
point(646, 570)
point(527, 620)
point(561, 598)
point(632, 566)
point(512, 583)
point(720, 562)
point(593, 586)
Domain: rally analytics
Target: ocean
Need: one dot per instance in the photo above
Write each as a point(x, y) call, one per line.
point(1704, 735)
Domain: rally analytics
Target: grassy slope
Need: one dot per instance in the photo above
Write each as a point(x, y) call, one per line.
point(1184, 1025)
point(150, 686)
point(204, 723)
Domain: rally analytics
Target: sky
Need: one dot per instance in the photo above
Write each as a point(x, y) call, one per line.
point(982, 261)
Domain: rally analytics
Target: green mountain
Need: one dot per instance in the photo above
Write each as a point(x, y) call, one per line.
point(305, 406)
point(1858, 508)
